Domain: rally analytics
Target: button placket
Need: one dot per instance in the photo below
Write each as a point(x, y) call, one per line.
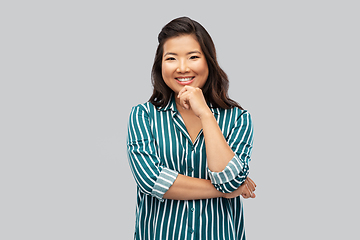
point(189, 155)
point(191, 218)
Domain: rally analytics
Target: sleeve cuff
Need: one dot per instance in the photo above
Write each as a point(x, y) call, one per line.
point(163, 183)
point(231, 171)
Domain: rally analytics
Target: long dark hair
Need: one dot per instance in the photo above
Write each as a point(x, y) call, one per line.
point(216, 87)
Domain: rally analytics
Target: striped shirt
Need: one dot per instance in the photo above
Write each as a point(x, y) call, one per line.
point(159, 148)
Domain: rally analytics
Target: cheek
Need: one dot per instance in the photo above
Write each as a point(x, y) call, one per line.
point(203, 69)
point(165, 70)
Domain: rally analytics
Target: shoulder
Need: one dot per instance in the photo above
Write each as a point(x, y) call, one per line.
point(233, 118)
point(243, 117)
point(143, 108)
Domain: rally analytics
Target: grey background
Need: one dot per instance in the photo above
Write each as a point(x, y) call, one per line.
point(71, 71)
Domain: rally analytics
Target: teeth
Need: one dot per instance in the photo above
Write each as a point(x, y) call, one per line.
point(184, 79)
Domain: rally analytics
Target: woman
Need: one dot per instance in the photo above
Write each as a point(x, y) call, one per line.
point(190, 145)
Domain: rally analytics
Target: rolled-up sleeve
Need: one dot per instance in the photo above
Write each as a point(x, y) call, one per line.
point(150, 176)
point(240, 139)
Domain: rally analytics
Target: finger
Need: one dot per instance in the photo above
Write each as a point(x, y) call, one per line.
point(251, 181)
point(250, 190)
point(183, 93)
point(184, 89)
point(184, 101)
point(246, 192)
point(250, 185)
point(252, 196)
point(186, 105)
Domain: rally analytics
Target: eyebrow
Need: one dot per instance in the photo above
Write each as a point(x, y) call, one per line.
point(171, 53)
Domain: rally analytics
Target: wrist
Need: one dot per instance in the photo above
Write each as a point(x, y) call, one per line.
point(206, 114)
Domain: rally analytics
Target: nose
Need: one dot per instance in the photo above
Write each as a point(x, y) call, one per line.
point(182, 67)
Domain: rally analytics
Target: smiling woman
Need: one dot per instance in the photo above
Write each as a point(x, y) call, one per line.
point(189, 147)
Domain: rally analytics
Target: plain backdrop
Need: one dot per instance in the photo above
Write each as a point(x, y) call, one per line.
point(70, 72)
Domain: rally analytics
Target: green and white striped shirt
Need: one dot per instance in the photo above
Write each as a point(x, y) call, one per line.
point(159, 148)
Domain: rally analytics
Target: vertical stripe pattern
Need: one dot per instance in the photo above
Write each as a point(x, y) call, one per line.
point(159, 148)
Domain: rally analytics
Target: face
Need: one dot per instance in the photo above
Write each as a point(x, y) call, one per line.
point(183, 63)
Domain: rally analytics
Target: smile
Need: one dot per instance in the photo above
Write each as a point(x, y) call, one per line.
point(185, 80)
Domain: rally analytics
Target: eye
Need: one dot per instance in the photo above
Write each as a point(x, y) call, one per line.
point(194, 57)
point(169, 59)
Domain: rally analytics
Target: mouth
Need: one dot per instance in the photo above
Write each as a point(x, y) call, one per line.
point(184, 80)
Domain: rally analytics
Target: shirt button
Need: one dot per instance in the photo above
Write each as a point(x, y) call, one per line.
point(191, 231)
point(191, 169)
point(192, 209)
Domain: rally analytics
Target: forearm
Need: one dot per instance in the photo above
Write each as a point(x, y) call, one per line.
point(189, 188)
point(218, 152)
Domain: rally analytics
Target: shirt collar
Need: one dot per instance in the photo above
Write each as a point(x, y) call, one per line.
point(171, 105)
